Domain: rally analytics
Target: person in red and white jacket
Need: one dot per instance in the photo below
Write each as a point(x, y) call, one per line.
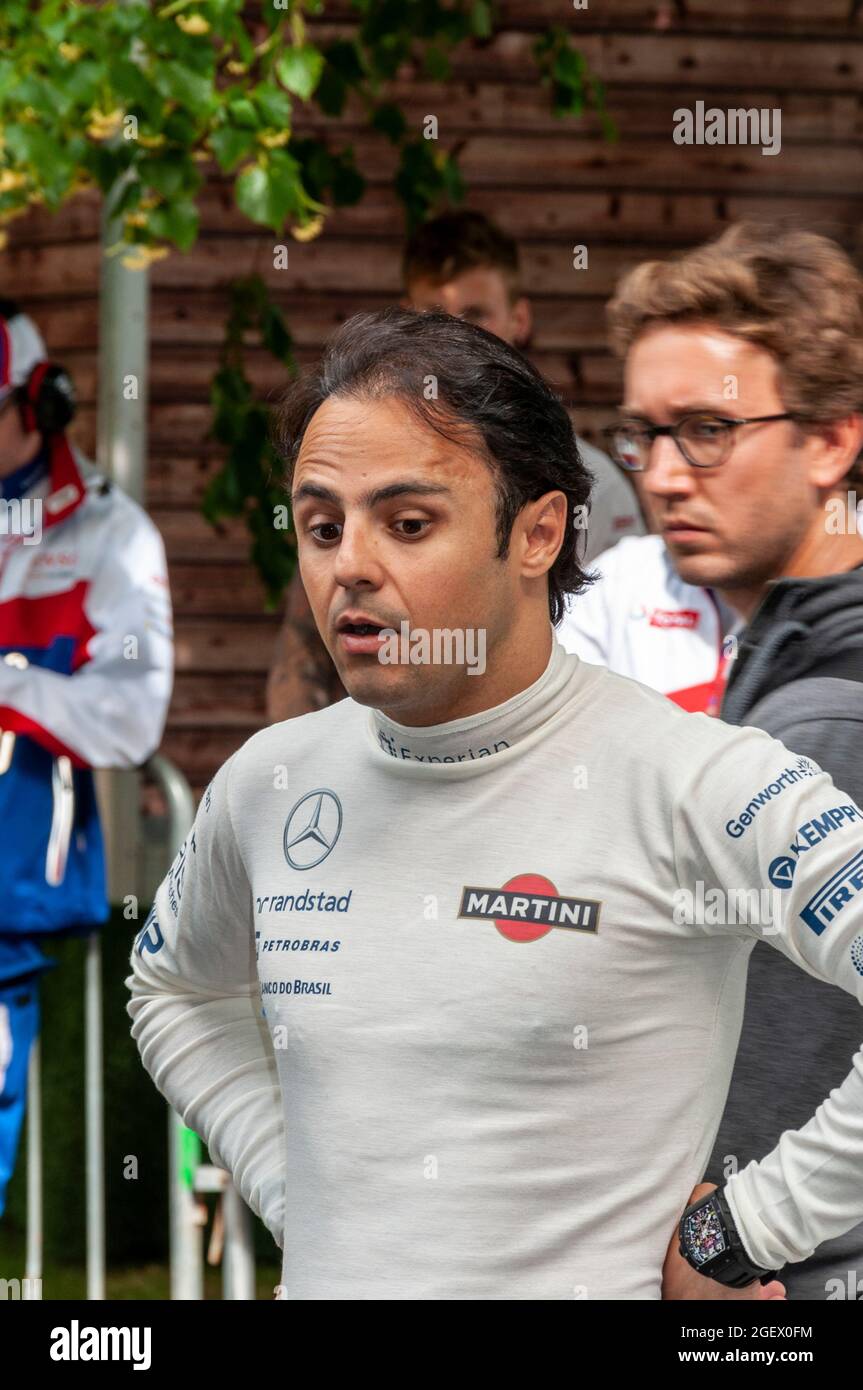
point(86, 668)
point(643, 621)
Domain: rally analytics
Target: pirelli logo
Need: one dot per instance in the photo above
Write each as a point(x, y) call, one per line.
point(528, 907)
point(834, 895)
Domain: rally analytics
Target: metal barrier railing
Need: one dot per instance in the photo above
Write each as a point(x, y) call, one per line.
point(188, 1177)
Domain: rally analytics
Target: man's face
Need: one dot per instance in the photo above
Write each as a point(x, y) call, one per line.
point(732, 526)
point(404, 532)
point(481, 296)
point(15, 442)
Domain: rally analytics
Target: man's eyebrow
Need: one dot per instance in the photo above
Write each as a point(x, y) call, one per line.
point(409, 486)
point(675, 411)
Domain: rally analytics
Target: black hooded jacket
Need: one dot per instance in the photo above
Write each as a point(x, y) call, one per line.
point(799, 668)
point(798, 674)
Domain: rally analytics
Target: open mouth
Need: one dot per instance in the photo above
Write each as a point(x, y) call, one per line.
point(361, 629)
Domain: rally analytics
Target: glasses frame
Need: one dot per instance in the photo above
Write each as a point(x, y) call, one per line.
point(653, 432)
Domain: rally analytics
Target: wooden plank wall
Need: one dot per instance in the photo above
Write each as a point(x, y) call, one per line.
point(553, 184)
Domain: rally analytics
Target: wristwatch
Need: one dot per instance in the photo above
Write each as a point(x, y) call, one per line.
point(710, 1242)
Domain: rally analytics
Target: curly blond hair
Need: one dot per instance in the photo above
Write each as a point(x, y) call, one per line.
point(793, 292)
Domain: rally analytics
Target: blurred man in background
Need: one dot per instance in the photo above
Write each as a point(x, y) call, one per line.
point(85, 681)
point(465, 265)
point(743, 389)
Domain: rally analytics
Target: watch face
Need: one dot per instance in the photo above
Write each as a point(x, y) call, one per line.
point(704, 1234)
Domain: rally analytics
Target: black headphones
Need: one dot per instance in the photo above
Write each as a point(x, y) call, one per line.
point(46, 400)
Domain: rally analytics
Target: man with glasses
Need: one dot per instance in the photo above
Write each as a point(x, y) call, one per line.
point(743, 385)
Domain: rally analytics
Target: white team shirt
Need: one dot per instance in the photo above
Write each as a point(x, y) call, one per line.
point(458, 1007)
point(642, 620)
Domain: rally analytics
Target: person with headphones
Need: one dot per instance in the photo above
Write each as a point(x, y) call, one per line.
point(86, 668)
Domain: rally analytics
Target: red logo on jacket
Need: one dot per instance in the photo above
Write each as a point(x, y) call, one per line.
point(674, 617)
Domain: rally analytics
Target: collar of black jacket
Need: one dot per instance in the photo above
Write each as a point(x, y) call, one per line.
point(803, 627)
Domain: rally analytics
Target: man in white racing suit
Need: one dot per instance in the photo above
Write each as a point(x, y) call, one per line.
point(450, 975)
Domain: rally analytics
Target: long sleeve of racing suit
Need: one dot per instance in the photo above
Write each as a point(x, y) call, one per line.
point(195, 1008)
point(798, 845)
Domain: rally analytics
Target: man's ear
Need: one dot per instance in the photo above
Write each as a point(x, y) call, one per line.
point(837, 445)
point(544, 521)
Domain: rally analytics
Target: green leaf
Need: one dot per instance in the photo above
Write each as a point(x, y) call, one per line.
point(272, 17)
point(566, 101)
point(221, 497)
point(275, 335)
point(344, 58)
point(125, 196)
point(106, 163)
point(237, 31)
point(347, 184)
point(453, 180)
point(387, 56)
point(130, 18)
point(31, 91)
point(267, 197)
point(436, 63)
point(383, 18)
point(390, 120)
point(176, 222)
point(180, 129)
point(243, 114)
point(230, 145)
point(83, 81)
point(481, 19)
point(164, 174)
point(274, 105)
point(569, 67)
point(128, 79)
point(26, 143)
point(331, 93)
point(181, 84)
point(300, 69)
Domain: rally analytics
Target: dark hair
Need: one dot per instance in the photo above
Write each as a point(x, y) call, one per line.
point(488, 397)
point(448, 245)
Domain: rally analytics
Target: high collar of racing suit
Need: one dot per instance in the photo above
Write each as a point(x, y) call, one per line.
point(480, 736)
point(54, 476)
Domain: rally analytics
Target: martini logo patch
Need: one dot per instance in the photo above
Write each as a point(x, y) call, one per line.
point(528, 907)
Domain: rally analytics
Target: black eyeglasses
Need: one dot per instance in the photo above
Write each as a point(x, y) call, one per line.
point(704, 440)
